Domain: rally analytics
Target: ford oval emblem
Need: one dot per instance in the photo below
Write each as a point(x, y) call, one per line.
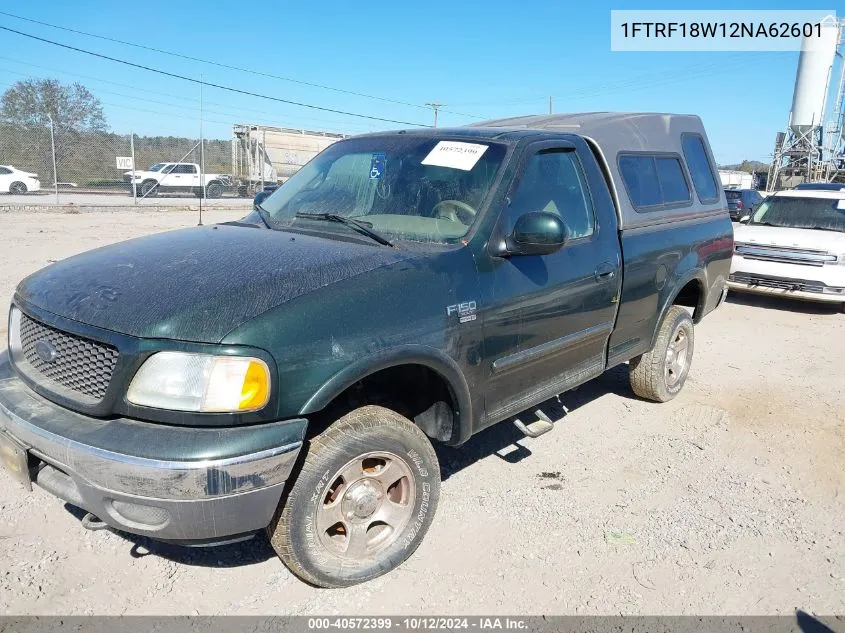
point(45, 350)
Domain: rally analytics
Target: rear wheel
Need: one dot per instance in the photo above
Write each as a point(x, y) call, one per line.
point(363, 501)
point(17, 188)
point(660, 374)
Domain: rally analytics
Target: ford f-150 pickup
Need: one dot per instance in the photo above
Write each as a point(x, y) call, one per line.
point(290, 373)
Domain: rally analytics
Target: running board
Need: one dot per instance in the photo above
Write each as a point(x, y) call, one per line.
point(536, 428)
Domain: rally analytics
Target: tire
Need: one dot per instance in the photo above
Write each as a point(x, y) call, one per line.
point(17, 188)
point(214, 190)
point(341, 472)
point(149, 189)
point(660, 374)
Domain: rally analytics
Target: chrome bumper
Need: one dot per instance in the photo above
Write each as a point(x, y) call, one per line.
point(167, 482)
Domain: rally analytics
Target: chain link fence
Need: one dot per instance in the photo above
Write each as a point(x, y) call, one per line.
point(72, 162)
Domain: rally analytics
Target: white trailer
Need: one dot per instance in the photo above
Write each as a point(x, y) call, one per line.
point(736, 179)
point(270, 155)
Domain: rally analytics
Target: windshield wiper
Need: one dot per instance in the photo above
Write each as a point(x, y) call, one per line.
point(825, 228)
point(262, 213)
point(358, 225)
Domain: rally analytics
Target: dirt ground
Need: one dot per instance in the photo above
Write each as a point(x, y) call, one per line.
point(728, 500)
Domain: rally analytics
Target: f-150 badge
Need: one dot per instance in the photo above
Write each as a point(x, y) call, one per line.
point(465, 311)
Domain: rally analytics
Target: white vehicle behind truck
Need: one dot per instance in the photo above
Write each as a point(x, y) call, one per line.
point(167, 178)
point(793, 246)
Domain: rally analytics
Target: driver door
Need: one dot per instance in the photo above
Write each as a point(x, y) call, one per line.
point(547, 318)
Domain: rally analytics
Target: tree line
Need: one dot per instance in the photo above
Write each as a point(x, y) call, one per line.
point(85, 149)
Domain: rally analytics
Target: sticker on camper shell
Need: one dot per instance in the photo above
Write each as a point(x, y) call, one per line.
point(455, 155)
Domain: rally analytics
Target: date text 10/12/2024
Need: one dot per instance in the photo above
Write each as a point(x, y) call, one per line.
point(416, 623)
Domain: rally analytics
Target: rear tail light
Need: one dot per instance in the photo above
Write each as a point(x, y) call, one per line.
point(739, 204)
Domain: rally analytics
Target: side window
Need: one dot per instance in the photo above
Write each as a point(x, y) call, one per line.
point(184, 169)
point(672, 181)
point(654, 180)
point(640, 176)
point(4, 171)
point(700, 169)
point(553, 182)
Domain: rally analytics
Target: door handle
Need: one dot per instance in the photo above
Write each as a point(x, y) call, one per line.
point(605, 272)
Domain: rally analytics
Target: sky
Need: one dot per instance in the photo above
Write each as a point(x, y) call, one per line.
point(481, 60)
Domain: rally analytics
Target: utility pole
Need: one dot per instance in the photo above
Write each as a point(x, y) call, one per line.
point(435, 107)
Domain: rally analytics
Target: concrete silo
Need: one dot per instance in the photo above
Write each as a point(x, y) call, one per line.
point(799, 154)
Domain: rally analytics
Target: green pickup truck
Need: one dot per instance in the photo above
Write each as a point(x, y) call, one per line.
point(291, 373)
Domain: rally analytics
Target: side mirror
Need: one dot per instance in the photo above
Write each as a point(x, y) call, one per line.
point(260, 197)
point(745, 219)
point(537, 233)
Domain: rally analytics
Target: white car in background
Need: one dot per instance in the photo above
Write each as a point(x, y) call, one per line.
point(16, 181)
point(793, 246)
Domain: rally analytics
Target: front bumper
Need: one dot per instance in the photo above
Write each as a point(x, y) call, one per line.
point(786, 287)
point(185, 484)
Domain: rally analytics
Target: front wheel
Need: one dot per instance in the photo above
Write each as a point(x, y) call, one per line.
point(363, 500)
point(17, 188)
point(659, 374)
point(149, 188)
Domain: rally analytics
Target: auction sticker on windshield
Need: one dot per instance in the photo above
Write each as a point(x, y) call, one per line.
point(455, 154)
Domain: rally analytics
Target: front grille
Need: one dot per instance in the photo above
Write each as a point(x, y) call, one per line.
point(785, 254)
point(783, 283)
point(79, 364)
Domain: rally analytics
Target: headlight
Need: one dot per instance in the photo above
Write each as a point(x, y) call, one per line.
point(200, 382)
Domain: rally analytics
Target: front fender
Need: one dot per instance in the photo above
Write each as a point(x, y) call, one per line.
point(424, 355)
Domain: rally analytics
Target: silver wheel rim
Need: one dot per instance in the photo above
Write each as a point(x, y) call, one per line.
point(677, 357)
point(16, 189)
point(366, 505)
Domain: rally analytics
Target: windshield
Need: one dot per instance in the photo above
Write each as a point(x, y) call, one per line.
point(802, 213)
point(156, 167)
point(404, 187)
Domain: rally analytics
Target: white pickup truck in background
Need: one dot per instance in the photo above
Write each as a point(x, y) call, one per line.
point(168, 178)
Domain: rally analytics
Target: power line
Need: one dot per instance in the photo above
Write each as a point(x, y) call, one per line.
point(230, 67)
point(694, 71)
point(261, 113)
point(208, 83)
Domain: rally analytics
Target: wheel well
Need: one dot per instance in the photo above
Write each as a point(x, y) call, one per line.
point(691, 296)
point(415, 391)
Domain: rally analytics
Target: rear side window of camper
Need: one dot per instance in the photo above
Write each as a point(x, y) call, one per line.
point(654, 181)
point(700, 169)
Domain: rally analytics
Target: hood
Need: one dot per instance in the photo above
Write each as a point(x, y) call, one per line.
point(812, 239)
point(196, 284)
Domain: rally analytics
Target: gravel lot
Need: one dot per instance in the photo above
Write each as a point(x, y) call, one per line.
point(727, 500)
